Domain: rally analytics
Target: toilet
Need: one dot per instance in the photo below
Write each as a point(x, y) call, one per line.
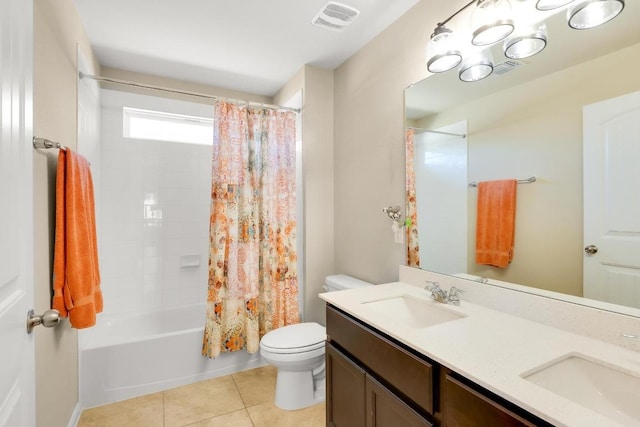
point(298, 353)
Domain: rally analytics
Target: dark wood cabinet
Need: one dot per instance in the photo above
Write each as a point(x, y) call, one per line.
point(385, 409)
point(346, 398)
point(358, 399)
point(374, 380)
point(410, 375)
point(466, 407)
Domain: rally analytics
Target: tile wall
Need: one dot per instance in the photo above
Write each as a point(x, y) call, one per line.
point(153, 226)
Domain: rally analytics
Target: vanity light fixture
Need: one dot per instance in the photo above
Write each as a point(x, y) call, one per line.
point(491, 22)
point(494, 20)
point(592, 13)
point(476, 68)
point(551, 4)
point(442, 51)
point(524, 46)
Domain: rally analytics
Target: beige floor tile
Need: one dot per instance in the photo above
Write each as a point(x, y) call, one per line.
point(234, 419)
point(201, 401)
point(138, 412)
point(269, 415)
point(257, 385)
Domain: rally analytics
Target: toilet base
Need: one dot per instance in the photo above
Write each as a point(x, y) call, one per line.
point(297, 390)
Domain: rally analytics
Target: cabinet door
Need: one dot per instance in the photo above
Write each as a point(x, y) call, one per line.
point(409, 374)
point(466, 407)
point(385, 409)
point(345, 390)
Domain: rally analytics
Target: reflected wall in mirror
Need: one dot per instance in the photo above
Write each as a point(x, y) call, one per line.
point(527, 122)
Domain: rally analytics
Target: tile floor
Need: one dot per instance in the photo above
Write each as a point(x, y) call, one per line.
point(244, 399)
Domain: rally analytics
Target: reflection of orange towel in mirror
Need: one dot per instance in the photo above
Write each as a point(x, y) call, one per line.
point(76, 276)
point(495, 224)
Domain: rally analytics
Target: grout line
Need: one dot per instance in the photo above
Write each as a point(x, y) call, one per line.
point(239, 393)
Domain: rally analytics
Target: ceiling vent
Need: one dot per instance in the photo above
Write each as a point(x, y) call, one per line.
point(335, 16)
point(507, 66)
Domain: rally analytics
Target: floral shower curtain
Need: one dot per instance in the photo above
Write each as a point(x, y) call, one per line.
point(253, 286)
point(413, 250)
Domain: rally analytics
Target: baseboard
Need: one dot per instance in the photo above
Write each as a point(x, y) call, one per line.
point(75, 417)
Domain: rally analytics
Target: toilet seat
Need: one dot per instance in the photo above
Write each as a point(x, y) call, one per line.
point(298, 338)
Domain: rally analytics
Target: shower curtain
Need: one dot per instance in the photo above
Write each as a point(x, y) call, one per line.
point(413, 250)
point(253, 286)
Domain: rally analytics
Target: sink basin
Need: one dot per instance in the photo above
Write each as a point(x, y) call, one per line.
point(592, 384)
point(414, 312)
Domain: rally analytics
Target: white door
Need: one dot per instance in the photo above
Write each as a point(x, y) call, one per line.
point(17, 389)
point(612, 200)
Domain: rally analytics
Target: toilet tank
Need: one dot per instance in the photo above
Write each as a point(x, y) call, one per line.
point(337, 282)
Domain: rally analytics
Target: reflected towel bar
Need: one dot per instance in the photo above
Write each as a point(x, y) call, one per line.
point(520, 181)
point(439, 132)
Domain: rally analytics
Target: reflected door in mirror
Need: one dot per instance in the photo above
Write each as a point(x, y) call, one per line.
point(612, 200)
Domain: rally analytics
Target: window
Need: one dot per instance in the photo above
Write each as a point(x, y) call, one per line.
point(160, 126)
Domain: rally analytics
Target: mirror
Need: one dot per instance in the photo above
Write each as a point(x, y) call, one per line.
point(525, 120)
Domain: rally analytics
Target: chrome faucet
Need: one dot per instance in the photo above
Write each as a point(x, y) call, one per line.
point(454, 296)
point(439, 295)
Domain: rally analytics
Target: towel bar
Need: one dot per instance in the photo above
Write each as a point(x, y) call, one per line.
point(520, 181)
point(46, 144)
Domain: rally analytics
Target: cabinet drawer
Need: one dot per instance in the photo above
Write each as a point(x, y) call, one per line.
point(410, 375)
point(466, 407)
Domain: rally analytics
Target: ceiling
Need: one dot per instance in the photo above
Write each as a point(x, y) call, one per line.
point(253, 46)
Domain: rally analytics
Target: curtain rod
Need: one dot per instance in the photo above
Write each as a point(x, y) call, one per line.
point(185, 92)
point(461, 135)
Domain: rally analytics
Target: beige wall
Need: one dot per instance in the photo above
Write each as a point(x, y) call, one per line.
point(57, 32)
point(317, 154)
point(369, 141)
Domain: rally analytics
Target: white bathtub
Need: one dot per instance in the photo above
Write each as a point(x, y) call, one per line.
point(138, 354)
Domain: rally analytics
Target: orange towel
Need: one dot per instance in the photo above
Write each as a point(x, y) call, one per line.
point(495, 229)
point(76, 276)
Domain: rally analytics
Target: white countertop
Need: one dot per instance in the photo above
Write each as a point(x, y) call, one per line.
point(493, 349)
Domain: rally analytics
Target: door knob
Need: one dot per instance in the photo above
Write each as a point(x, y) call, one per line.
point(48, 319)
point(591, 249)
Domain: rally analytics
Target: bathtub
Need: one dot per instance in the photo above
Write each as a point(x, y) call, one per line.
point(137, 354)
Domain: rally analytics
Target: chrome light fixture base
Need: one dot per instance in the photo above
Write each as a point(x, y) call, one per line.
point(593, 13)
point(444, 61)
point(491, 22)
point(476, 70)
point(492, 32)
point(525, 46)
point(551, 4)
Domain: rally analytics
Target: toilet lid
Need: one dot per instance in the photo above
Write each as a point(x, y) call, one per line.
point(295, 338)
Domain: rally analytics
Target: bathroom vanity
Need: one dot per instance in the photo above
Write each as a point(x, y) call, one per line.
point(373, 379)
point(395, 357)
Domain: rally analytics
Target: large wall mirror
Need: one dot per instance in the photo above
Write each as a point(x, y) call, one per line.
point(529, 121)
